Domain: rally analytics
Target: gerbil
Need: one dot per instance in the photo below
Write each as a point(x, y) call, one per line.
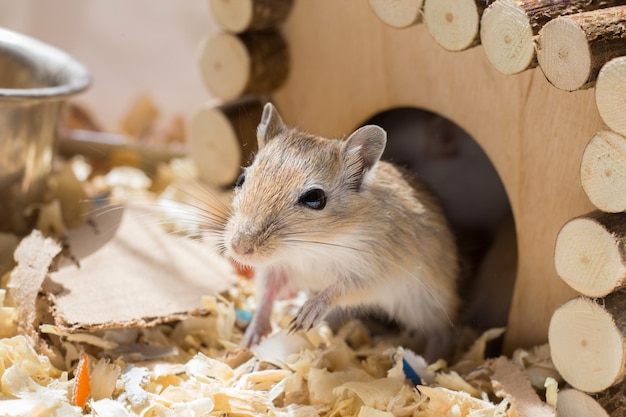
point(328, 217)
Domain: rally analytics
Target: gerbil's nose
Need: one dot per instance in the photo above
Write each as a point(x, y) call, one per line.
point(241, 246)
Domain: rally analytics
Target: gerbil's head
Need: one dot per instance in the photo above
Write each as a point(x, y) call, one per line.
point(301, 193)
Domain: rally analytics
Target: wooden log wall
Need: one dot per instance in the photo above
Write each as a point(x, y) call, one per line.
point(350, 60)
point(240, 66)
point(509, 28)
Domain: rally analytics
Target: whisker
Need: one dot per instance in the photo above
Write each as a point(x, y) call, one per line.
point(318, 242)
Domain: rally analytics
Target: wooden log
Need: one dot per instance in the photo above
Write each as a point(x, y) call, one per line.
point(608, 403)
point(588, 341)
point(249, 63)
point(603, 171)
point(398, 13)
point(246, 15)
point(610, 93)
point(572, 49)
point(574, 403)
point(509, 27)
point(454, 24)
point(589, 254)
point(222, 139)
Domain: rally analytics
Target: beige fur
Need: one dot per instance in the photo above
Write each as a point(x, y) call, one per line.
point(380, 242)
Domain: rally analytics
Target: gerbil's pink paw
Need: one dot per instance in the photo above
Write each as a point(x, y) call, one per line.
point(255, 332)
point(310, 315)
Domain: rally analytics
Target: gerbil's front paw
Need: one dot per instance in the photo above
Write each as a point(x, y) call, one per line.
point(310, 315)
point(256, 331)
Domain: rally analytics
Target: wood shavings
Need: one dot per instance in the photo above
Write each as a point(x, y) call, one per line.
point(35, 387)
point(207, 369)
point(87, 338)
point(372, 412)
point(306, 382)
point(107, 407)
point(127, 183)
point(446, 402)
point(376, 394)
point(304, 374)
point(8, 318)
point(65, 187)
point(133, 381)
point(453, 381)
point(322, 384)
point(476, 353)
point(552, 391)
point(537, 365)
point(33, 256)
point(179, 354)
point(104, 375)
point(277, 349)
point(510, 382)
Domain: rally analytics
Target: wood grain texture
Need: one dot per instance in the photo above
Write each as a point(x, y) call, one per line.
point(213, 145)
point(240, 16)
point(572, 49)
point(398, 13)
point(507, 37)
point(232, 66)
point(610, 92)
point(603, 170)
point(509, 28)
point(222, 138)
point(589, 253)
point(454, 23)
point(534, 134)
point(575, 403)
point(587, 342)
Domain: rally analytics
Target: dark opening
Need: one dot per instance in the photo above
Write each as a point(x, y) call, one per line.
point(455, 167)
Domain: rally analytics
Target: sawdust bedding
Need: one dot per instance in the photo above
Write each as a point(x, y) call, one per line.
point(192, 365)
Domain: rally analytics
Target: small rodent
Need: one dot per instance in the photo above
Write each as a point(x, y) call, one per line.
point(328, 217)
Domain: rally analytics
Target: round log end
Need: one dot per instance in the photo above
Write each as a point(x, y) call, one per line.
point(453, 23)
point(574, 403)
point(603, 170)
point(588, 257)
point(213, 146)
point(398, 13)
point(563, 54)
point(507, 37)
point(234, 16)
point(610, 92)
point(225, 65)
point(586, 345)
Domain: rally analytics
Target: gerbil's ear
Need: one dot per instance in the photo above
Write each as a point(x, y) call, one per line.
point(368, 143)
point(271, 124)
point(364, 147)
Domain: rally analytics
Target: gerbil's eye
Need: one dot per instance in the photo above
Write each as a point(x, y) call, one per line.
point(240, 180)
point(314, 198)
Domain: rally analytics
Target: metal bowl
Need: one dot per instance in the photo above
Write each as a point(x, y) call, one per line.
point(35, 79)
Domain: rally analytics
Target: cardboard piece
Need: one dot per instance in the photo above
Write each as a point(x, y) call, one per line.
point(33, 255)
point(133, 273)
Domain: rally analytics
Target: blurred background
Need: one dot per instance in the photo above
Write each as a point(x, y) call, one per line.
point(131, 48)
